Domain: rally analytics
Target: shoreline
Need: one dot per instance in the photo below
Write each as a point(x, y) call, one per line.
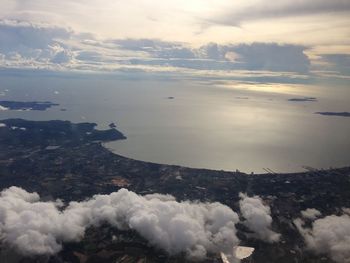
point(73, 168)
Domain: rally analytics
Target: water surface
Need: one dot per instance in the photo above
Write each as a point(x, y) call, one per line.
point(224, 126)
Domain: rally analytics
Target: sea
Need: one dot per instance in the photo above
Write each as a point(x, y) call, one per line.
point(199, 123)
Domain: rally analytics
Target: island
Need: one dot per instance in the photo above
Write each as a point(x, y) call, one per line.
point(60, 159)
point(307, 99)
point(26, 105)
point(339, 114)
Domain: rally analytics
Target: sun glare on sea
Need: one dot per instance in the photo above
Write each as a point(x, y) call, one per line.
point(281, 88)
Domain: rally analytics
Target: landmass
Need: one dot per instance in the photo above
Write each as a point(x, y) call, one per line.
point(339, 114)
point(55, 132)
point(26, 105)
point(311, 99)
point(60, 159)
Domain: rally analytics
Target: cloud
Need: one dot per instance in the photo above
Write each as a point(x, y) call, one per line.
point(26, 38)
point(256, 56)
point(329, 235)
point(34, 227)
point(273, 57)
point(258, 218)
point(318, 22)
point(61, 55)
point(27, 45)
point(310, 213)
point(338, 62)
point(346, 210)
point(258, 10)
point(89, 56)
point(211, 51)
point(156, 48)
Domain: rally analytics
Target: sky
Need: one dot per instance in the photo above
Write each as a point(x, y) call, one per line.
point(289, 40)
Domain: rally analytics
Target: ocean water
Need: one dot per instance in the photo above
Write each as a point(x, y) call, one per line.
point(215, 125)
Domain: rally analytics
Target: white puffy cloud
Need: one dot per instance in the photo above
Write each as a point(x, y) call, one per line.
point(329, 235)
point(310, 213)
point(258, 218)
point(34, 227)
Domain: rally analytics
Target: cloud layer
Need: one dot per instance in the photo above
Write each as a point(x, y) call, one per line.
point(26, 45)
point(260, 9)
point(34, 227)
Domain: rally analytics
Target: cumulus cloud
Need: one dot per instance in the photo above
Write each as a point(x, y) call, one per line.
point(258, 218)
point(34, 227)
point(310, 213)
point(329, 235)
